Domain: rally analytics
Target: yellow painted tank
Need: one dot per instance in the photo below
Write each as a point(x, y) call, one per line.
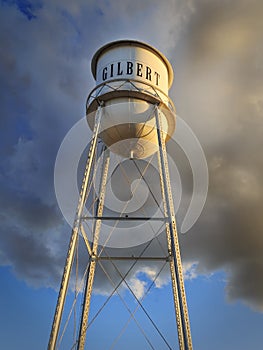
point(132, 79)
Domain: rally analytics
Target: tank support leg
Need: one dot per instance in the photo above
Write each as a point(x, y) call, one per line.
point(74, 238)
point(181, 311)
point(93, 257)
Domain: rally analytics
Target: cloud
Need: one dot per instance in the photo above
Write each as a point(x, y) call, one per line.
point(221, 72)
point(217, 54)
point(138, 287)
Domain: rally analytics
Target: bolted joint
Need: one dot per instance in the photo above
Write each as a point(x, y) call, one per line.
point(93, 257)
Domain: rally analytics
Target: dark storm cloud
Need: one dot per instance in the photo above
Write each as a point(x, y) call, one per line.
point(223, 75)
point(216, 50)
point(39, 100)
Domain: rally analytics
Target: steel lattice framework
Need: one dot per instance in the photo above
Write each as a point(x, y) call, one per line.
point(172, 255)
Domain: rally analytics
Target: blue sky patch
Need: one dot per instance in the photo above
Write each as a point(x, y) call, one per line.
point(24, 6)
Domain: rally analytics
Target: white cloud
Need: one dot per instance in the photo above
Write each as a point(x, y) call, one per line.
point(138, 287)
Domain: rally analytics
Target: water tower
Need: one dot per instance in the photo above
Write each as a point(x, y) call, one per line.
point(131, 115)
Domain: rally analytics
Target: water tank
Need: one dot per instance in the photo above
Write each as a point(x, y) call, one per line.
point(132, 80)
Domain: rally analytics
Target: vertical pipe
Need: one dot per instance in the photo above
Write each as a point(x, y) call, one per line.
point(181, 311)
point(93, 258)
point(73, 239)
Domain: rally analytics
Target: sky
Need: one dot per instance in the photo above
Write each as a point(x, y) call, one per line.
point(216, 50)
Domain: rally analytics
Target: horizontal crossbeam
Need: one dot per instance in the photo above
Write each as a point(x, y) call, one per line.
point(124, 218)
point(153, 258)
